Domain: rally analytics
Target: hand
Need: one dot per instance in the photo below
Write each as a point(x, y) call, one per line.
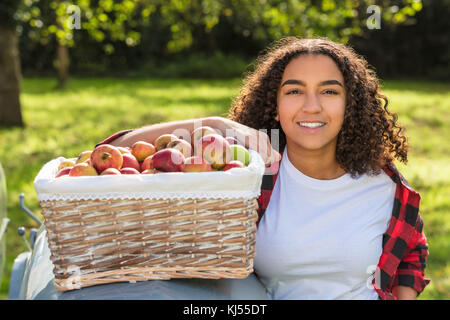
point(250, 138)
point(404, 293)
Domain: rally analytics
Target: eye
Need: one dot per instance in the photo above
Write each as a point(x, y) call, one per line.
point(331, 92)
point(293, 91)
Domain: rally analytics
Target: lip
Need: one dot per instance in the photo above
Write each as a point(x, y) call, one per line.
point(311, 121)
point(311, 130)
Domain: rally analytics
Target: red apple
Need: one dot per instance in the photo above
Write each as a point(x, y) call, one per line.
point(147, 163)
point(233, 164)
point(129, 171)
point(106, 156)
point(64, 171)
point(214, 149)
point(142, 149)
point(196, 164)
point(181, 145)
point(200, 132)
point(130, 161)
point(231, 140)
point(162, 141)
point(110, 171)
point(82, 169)
point(168, 160)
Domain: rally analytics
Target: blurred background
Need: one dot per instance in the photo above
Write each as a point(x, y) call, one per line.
point(75, 72)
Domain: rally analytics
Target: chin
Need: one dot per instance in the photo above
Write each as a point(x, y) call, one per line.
point(311, 144)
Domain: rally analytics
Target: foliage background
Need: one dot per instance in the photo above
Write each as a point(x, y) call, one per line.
point(412, 41)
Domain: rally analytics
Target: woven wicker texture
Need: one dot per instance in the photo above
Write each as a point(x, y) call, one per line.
point(103, 241)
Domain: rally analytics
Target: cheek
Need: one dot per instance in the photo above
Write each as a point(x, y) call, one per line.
point(286, 109)
point(285, 118)
point(336, 112)
point(339, 116)
point(342, 114)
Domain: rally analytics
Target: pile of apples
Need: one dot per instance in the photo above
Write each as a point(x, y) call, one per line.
point(206, 151)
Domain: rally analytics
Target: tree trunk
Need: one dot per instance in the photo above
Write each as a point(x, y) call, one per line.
point(63, 65)
point(10, 77)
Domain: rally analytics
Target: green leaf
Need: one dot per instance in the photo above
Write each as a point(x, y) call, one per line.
point(417, 6)
point(102, 17)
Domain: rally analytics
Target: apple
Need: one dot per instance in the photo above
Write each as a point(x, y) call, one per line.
point(106, 156)
point(200, 132)
point(82, 169)
point(124, 150)
point(66, 163)
point(130, 161)
point(142, 149)
point(147, 163)
point(110, 171)
point(168, 160)
point(181, 145)
point(231, 140)
point(214, 149)
point(151, 171)
point(129, 171)
point(240, 153)
point(233, 164)
point(162, 141)
point(196, 164)
point(63, 172)
point(83, 156)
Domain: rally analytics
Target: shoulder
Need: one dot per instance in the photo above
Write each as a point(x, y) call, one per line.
point(267, 185)
point(391, 170)
point(407, 200)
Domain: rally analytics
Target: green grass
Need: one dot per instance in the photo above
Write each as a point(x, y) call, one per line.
point(66, 122)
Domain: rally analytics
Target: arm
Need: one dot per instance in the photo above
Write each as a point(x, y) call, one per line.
point(151, 132)
point(249, 137)
point(404, 293)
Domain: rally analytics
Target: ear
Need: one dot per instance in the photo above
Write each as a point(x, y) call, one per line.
point(277, 118)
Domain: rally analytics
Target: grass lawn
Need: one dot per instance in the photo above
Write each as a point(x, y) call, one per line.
point(66, 122)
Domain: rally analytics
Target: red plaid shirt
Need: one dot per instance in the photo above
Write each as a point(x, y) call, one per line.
point(405, 247)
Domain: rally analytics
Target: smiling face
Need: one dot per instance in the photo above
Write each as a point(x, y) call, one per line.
point(311, 103)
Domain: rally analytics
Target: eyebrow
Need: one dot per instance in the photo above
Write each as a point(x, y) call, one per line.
point(302, 83)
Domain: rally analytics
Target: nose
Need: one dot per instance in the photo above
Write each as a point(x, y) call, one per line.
point(311, 103)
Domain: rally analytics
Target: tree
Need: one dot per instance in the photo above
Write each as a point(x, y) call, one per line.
point(10, 74)
point(268, 20)
point(418, 49)
point(190, 22)
point(60, 19)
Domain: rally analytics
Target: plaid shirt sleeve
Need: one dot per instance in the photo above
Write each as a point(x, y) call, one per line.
point(405, 247)
point(410, 271)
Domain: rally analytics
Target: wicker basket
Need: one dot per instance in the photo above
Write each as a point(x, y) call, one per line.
point(98, 240)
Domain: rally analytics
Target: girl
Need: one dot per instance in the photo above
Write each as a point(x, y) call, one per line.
point(337, 220)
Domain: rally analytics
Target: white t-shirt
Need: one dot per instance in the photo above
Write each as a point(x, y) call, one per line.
point(322, 239)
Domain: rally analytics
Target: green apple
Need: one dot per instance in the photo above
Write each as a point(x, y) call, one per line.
point(240, 153)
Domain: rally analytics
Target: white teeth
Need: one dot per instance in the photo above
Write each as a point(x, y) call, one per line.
point(311, 124)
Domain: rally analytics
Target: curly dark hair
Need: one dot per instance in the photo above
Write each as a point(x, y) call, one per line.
point(370, 136)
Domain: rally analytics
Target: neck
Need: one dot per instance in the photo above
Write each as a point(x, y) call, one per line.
point(317, 164)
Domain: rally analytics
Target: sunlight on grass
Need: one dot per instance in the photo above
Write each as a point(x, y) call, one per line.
point(424, 108)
